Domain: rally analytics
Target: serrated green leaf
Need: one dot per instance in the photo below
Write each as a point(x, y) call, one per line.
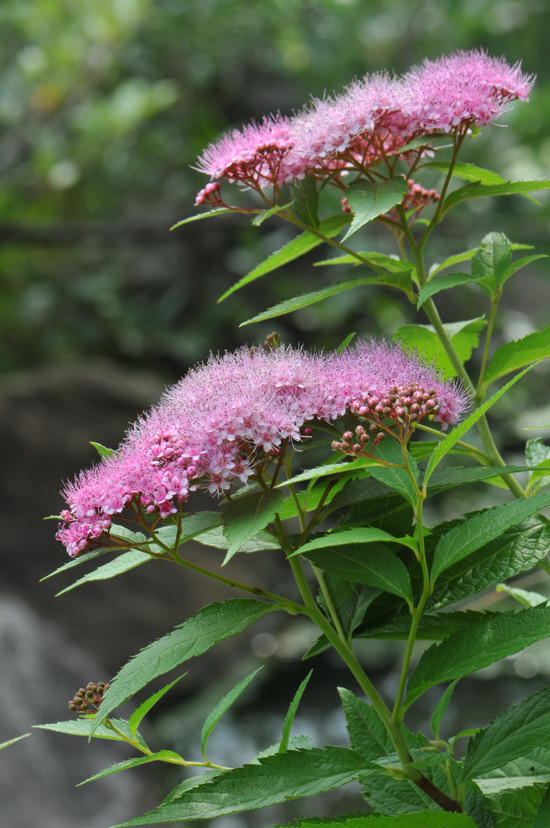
point(542, 818)
point(423, 339)
point(272, 780)
point(291, 712)
point(511, 735)
point(4, 745)
point(459, 475)
point(305, 199)
point(382, 569)
point(423, 819)
point(368, 200)
point(469, 535)
point(445, 282)
point(219, 211)
point(81, 727)
point(222, 707)
point(366, 731)
point(516, 808)
point(495, 784)
point(521, 263)
point(137, 716)
point(468, 172)
point(531, 348)
point(216, 538)
point(160, 756)
point(345, 537)
point(213, 623)
point(493, 258)
point(123, 563)
point(513, 552)
point(311, 298)
point(451, 261)
point(292, 250)
point(441, 708)
point(245, 516)
point(496, 637)
point(525, 597)
point(375, 260)
point(344, 467)
point(82, 559)
point(457, 433)
point(265, 214)
point(488, 190)
point(434, 627)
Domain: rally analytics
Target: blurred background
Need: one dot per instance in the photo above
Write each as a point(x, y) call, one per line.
point(104, 107)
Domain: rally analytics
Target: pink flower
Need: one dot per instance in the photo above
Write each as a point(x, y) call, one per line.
point(227, 416)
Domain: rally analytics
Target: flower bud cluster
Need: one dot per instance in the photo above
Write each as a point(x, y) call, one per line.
point(88, 699)
point(223, 420)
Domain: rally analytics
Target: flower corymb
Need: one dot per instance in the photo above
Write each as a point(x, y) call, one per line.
point(242, 409)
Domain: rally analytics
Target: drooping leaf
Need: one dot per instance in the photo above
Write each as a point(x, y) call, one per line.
point(245, 516)
point(381, 569)
point(213, 623)
point(368, 200)
point(291, 712)
point(222, 707)
point(511, 735)
point(423, 338)
point(219, 211)
point(531, 348)
point(123, 563)
point(496, 637)
point(292, 250)
point(160, 756)
point(469, 535)
point(273, 779)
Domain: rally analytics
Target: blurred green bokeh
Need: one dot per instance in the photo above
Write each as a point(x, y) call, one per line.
point(105, 104)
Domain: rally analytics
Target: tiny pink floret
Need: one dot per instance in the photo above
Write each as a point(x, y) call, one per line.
point(213, 427)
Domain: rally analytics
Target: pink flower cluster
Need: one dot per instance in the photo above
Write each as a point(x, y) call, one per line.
point(223, 418)
point(372, 119)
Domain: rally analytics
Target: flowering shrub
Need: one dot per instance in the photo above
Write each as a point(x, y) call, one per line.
point(392, 424)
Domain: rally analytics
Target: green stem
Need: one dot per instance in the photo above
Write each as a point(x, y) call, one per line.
point(490, 325)
point(330, 603)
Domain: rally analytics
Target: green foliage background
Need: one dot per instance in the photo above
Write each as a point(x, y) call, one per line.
point(105, 105)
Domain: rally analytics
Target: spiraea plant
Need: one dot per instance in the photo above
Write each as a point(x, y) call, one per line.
point(392, 424)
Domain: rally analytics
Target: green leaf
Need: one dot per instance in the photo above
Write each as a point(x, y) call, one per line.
point(487, 190)
point(521, 263)
point(468, 172)
point(306, 299)
point(423, 339)
point(4, 745)
point(511, 735)
point(450, 476)
point(345, 466)
point(513, 552)
point(102, 450)
point(423, 819)
point(272, 780)
point(265, 214)
point(525, 597)
point(531, 348)
point(345, 342)
point(345, 537)
point(441, 708)
point(161, 756)
point(123, 563)
point(515, 808)
point(292, 250)
point(367, 733)
point(375, 260)
point(81, 727)
point(137, 716)
point(434, 627)
point(306, 201)
point(469, 535)
point(495, 784)
point(219, 211)
point(437, 140)
point(542, 818)
point(213, 623)
point(222, 707)
point(496, 637)
point(451, 261)
point(291, 712)
point(245, 516)
point(369, 200)
point(216, 538)
point(493, 259)
point(381, 569)
point(457, 433)
point(448, 280)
